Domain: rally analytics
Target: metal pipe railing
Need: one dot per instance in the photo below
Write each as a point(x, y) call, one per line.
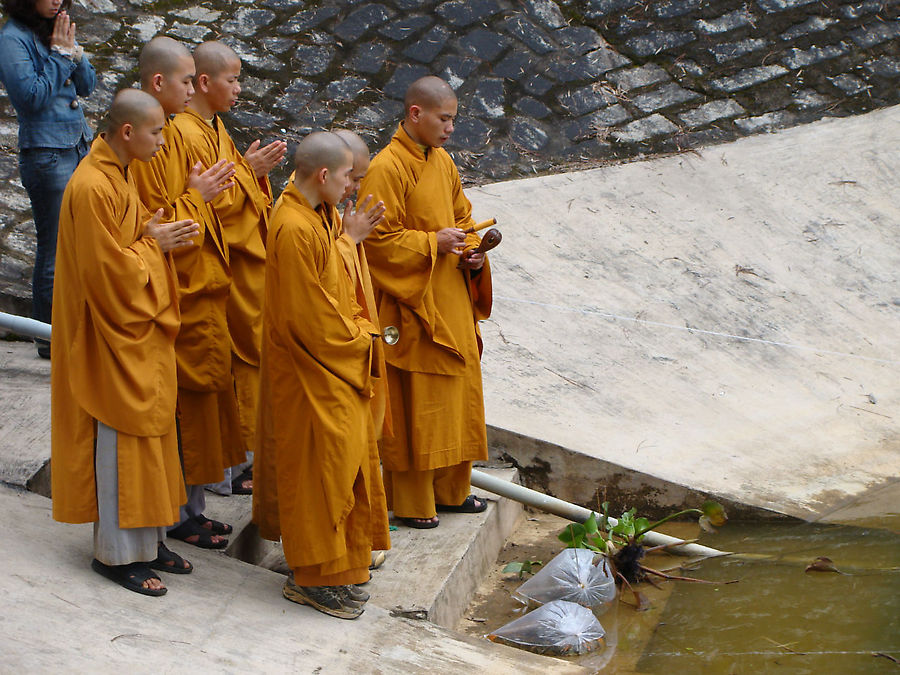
point(579, 514)
point(33, 328)
point(23, 326)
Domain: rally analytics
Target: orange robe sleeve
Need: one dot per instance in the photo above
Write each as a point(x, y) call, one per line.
point(357, 267)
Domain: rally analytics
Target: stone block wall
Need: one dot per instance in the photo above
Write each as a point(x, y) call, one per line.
point(544, 85)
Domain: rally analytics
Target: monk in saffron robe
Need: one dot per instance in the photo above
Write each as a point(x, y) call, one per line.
point(208, 425)
point(114, 448)
point(243, 213)
point(316, 436)
point(357, 221)
point(434, 288)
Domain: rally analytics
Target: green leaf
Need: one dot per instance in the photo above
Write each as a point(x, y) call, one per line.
point(715, 513)
point(590, 525)
point(514, 568)
point(572, 535)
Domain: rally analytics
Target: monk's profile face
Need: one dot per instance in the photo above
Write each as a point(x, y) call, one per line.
point(223, 88)
point(175, 90)
point(432, 125)
point(337, 181)
point(360, 166)
point(145, 137)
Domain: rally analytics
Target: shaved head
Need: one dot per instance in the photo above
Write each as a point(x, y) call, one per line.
point(428, 92)
point(320, 149)
point(161, 55)
point(211, 58)
point(131, 106)
point(354, 141)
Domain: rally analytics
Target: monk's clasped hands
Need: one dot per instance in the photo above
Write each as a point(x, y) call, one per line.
point(263, 159)
point(359, 222)
point(169, 236)
point(212, 182)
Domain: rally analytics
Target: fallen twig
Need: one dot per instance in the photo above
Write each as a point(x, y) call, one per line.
point(672, 577)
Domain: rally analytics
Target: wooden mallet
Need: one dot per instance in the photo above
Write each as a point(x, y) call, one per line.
point(480, 226)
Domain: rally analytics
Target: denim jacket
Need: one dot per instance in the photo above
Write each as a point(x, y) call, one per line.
point(44, 87)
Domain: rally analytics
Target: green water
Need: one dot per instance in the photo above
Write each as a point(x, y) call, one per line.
point(827, 623)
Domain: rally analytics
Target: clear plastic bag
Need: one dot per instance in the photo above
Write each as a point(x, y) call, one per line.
point(559, 628)
point(573, 575)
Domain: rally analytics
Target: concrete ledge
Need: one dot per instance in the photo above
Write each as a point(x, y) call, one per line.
point(24, 418)
point(588, 481)
point(227, 616)
point(429, 574)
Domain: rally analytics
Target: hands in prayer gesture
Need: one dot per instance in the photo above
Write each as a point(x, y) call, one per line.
point(172, 235)
point(359, 222)
point(211, 183)
point(263, 159)
point(63, 35)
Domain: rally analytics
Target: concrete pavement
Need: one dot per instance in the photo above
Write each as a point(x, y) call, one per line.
point(226, 617)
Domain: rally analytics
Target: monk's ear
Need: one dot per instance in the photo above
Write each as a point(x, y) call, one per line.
point(126, 130)
point(414, 113)
point(156, 82)
point(322, 175)
point(201, 82)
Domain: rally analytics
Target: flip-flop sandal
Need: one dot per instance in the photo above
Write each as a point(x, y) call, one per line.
point(420, 523)
point(169, 561)
point(237, 484)
point(189, 528)
point(467, 506)
point(129, 576)
point(215, 526)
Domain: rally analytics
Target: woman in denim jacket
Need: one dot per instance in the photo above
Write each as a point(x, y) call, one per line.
point(45, 71)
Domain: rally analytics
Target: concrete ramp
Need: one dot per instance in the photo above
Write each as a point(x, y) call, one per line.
point(722, 322)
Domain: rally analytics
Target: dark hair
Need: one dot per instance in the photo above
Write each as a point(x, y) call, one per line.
point(23, 11)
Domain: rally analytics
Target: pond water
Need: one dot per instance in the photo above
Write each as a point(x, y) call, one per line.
point(778, 618)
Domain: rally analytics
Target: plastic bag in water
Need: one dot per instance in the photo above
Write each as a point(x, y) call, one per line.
point(559, 628)
point(572, 575)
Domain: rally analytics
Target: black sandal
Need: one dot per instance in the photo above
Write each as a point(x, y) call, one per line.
point(420, 523)
point(467, 506)
point(169, 561)
point(237, 484)
point(215, 526)
point(130, 576)
point(191, 527)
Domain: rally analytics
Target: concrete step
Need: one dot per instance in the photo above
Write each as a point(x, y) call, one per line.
point(428, 574)
point(227, 616)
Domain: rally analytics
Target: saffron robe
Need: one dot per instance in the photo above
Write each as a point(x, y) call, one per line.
point(207, 404)
point(357, 266)
point(315, 432)
point(115, 309)
point(435, 306)
point(243, 211)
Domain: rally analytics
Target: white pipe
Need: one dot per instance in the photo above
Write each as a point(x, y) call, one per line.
point(22, 326)
point(579, 514)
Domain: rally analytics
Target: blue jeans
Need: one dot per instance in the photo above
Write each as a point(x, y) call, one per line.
point(44, 173)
